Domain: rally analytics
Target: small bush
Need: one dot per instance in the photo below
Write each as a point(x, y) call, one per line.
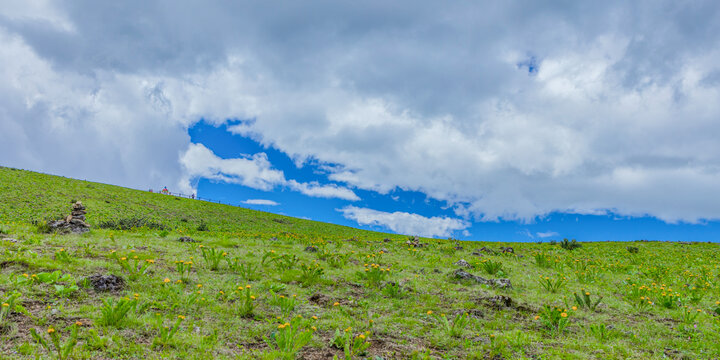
point(202, 226)
point(633, 249)
point(570, 245)
point(131, 223)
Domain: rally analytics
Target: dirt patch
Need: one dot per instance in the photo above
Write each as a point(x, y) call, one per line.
point(318, 354)
point(7, 264)
point(320, 299)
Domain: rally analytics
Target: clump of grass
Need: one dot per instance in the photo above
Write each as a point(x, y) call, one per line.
point(131, 223)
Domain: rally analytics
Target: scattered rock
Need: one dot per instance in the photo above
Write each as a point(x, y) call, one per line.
point(385, 251)
point(463, 263)
point(311, 248)
point(387, 240)
point(496, 302)
point(320, 299)
point(101, 282)
point(187, 239)
point(507, 250)
point(273, 239)
point(480, 251)
point(414, 241)
point(73, 223)
point(458, 248)
point(499, 283)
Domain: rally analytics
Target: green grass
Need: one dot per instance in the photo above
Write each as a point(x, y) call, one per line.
point(269, 298)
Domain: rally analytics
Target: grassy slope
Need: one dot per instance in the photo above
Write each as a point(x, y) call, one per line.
point(401, 326)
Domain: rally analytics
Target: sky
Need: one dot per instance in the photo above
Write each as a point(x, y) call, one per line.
point(510, 121)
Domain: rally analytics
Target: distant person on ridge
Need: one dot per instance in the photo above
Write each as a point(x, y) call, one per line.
point(165, 191)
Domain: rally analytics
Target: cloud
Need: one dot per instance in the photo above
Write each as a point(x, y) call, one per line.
point(254, 171)
point(512, 113)
point(260, 202)
point(546, 234)
point(405, 223)
point(323, 191)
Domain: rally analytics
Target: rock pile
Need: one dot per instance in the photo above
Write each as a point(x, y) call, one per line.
point(73, 223)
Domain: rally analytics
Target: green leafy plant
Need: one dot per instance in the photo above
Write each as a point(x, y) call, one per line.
point(288, 339)
point(212, 257)
point(114, 313)
point(600, 331)
point(166, 333)
point(285, 303)
point(584, 300)
point(54, 346)
point(352, 346)
point(63, 256)
point(553, 285)
point(553, 319)
point(65, 290)
point(310, 274)
point(688, 315)
point(183, 268)
point(10, 304)
point(134, 267)
point(53, 277)
point(247, 302)
point(338, 260)
point(393, 290)
point(453, 328)
point(286, 262)
point(374, 274)
point(542, 260)
point(491, 267)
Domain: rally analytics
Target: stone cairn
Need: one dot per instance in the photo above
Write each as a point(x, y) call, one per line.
point(73, 223)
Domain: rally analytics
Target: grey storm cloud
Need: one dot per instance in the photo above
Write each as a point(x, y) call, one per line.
point(503, 110)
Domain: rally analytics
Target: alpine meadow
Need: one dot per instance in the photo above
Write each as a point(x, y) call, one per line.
point(162, 277)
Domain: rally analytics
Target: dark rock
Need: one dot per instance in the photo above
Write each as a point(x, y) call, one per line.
point(458, 248)
point(384, 250)
point(499, 283)
point(507, 250)
point(311, 248)
point(387, 240)
point(484, 250)
point(187, 239)
point(105, 282)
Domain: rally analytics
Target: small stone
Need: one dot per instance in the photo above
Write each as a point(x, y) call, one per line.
point(462, 263)
point(311, 248)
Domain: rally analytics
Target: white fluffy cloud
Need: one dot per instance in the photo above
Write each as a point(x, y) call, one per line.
point(509, 111)
point(253, 171)
point(263, 202)
point(405, 223)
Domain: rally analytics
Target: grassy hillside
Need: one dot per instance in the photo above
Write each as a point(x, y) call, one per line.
point(256, 285)
point(32, 197)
